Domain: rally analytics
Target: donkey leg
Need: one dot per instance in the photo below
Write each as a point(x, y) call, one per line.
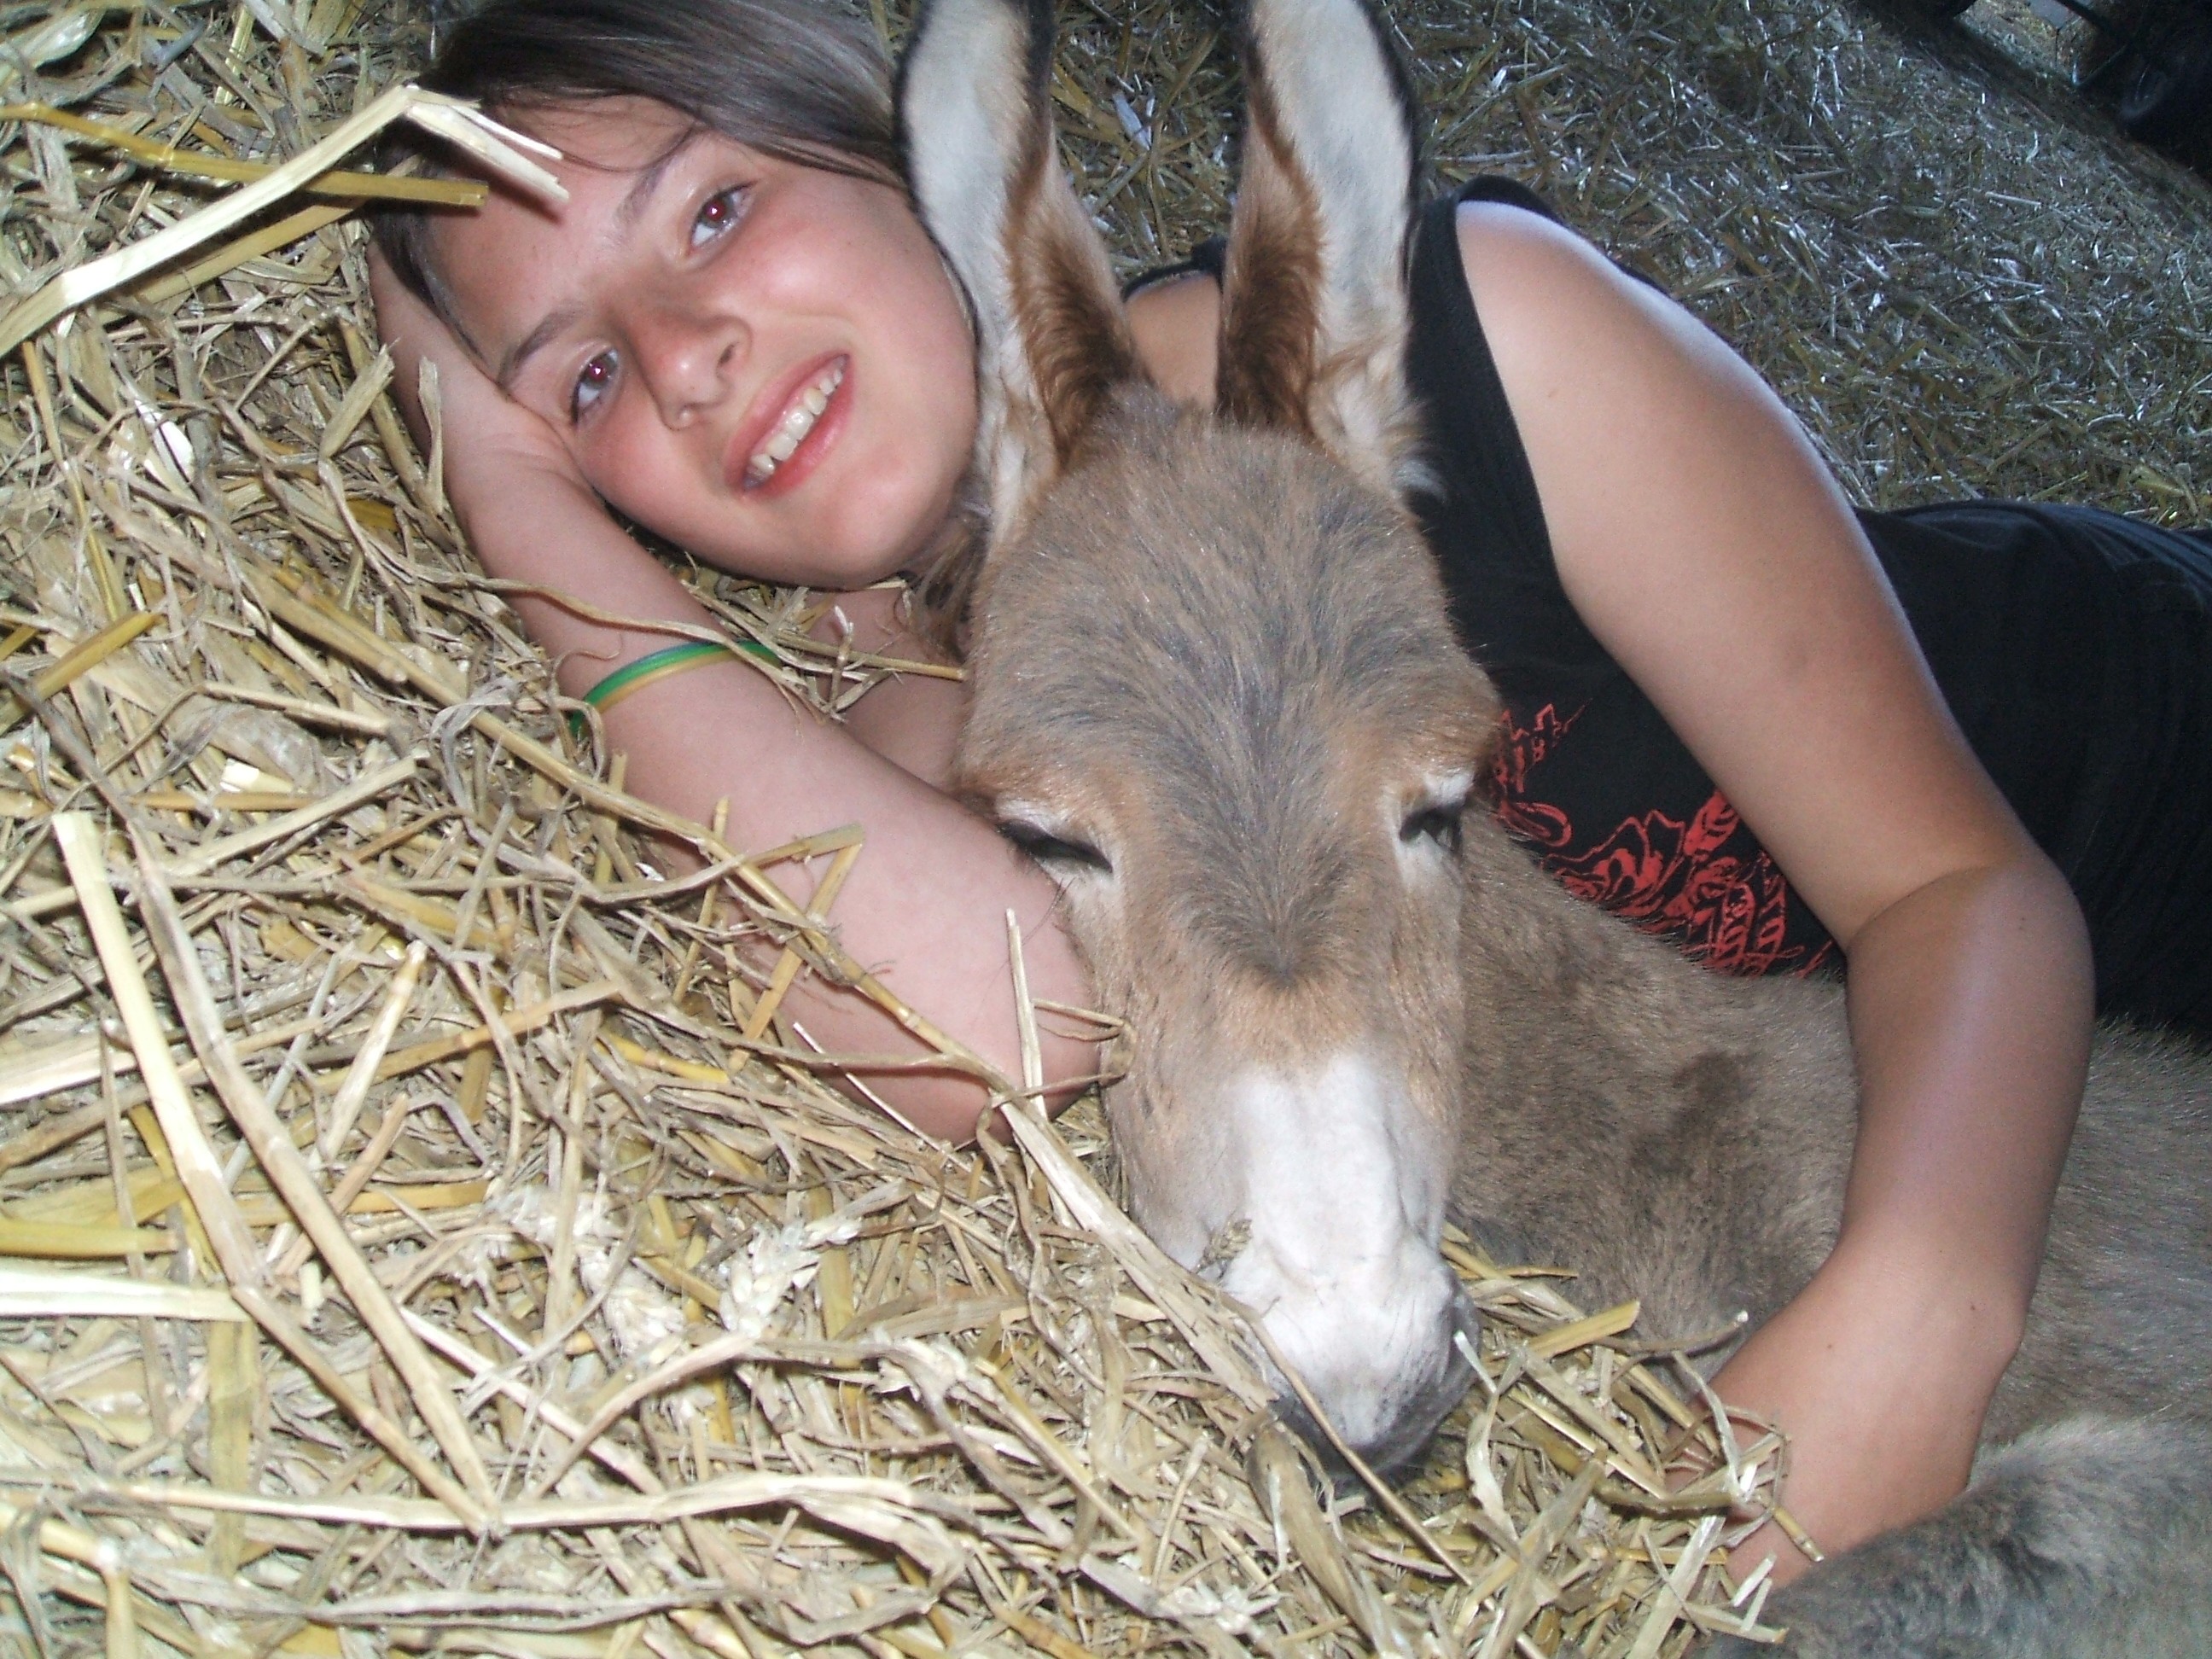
point(2090, 1538)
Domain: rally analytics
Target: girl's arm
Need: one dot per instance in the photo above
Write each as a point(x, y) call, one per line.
point(926, 903)
point(1705, 545)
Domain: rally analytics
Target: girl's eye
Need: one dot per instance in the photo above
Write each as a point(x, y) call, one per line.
point(717, 214)
point(593, 381)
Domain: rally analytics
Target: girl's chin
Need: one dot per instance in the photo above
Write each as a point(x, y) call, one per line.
point(836, 572)
point(864, 556)
point(850, 551)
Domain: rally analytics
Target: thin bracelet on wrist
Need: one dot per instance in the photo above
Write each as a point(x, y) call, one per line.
point(665, 664)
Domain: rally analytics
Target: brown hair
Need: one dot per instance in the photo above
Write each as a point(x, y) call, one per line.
point(804, 80)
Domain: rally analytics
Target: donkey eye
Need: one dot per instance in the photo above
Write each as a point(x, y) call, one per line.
point(1436, 821)
point(1047, 849)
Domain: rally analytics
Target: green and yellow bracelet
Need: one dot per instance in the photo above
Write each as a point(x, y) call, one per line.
point(657, 665)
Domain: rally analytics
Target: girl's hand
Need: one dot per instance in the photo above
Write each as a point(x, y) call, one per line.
point(1879, 1372)
point(497, 451)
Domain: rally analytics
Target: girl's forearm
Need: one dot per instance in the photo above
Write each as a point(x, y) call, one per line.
point(1972, 1006)
point(924, 906)
point(548, 530)
point(1970, 1002)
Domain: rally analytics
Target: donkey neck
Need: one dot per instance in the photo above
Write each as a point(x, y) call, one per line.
point(1623, 1106)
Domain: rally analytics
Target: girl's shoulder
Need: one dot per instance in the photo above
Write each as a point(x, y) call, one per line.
point(1174, 316)
point(1546, 287)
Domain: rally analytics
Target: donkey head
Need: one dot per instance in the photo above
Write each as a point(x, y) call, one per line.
point(1214, 692)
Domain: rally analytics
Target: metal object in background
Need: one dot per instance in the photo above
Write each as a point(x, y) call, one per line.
point(2155, 57)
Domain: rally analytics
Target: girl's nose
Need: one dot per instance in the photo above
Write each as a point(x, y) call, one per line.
point(690, 361)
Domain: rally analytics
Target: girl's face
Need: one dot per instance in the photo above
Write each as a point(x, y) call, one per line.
point(764, 362)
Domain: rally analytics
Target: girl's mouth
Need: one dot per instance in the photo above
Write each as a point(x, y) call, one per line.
point(800, 420)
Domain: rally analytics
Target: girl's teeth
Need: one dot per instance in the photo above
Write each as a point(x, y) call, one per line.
point(792, 430)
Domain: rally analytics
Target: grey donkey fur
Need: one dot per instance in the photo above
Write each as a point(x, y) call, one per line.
point(1206, 647)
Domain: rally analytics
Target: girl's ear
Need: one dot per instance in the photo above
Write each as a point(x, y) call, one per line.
point(975, 108)
point(1314, 315)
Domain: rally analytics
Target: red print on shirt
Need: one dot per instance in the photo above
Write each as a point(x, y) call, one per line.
point(1705, 881)
point(1520, 749)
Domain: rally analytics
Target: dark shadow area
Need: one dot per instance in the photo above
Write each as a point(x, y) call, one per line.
point(2141, 71)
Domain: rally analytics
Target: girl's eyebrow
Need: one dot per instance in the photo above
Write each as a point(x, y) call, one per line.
point(550, 327)
point(628, 211)
point(640, 194)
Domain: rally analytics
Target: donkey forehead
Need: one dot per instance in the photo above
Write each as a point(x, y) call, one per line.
point(1213, 594)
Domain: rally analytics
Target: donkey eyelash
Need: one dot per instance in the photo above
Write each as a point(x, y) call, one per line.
point(1049, 848)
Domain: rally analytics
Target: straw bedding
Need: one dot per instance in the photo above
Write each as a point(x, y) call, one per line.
point(420, 1226)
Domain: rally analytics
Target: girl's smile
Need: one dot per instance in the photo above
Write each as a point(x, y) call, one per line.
point(763, 362)
point(792, 429)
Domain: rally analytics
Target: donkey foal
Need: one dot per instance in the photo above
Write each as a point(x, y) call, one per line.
point(1215, 695)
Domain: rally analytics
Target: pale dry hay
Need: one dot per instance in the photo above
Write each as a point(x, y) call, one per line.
point(857, 1391)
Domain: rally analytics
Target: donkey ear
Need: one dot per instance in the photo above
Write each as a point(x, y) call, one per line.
point(1314, 315)
point(975, 108)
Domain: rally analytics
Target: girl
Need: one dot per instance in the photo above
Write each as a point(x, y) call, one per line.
point(736, 333)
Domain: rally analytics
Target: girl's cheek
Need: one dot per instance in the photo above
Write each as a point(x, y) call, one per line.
point(626, 483)
point(616, 450)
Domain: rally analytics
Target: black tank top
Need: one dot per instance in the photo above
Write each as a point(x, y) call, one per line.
point(2073, 647)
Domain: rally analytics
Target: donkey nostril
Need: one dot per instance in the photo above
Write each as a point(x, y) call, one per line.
point(1464, 1321)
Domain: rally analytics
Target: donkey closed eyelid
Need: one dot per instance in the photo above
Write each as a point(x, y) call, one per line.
point(1437, 821)
point(1064, 852)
